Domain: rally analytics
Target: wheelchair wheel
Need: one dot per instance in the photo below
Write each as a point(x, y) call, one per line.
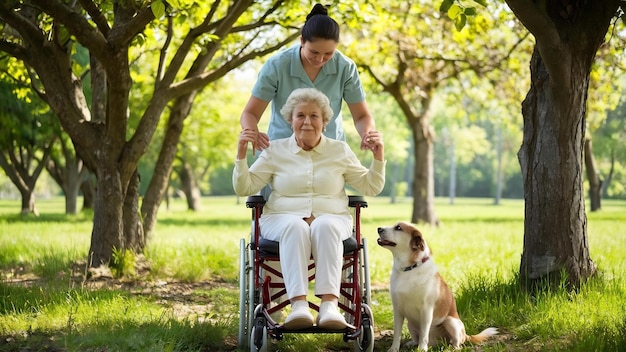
point(244, 327)
point(258, 336)
point(365, 341)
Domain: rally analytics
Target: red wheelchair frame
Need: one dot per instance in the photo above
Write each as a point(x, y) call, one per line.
point(260, 298)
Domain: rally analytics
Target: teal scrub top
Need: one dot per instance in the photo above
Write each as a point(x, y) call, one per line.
point(283, 72)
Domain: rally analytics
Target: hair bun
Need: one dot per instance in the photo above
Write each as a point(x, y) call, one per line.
point(318, 9)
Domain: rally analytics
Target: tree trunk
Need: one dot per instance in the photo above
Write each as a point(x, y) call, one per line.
point(24, 176)
point(555, 223)
point(609, 176)
point(567, 36)
point(394, 183)
point(452, 184)
point(595, 183)
point(498, 166)
point(88, 189)
point(133, 228)
point(68, 174)
point(409, 173)
point(160, 179)
point(424, 181)
point(189, 187)
point(423, 185)
point(108, 230)
point(28, 202)
point(71, 200)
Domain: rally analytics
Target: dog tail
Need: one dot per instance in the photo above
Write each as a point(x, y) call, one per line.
point(483, 335)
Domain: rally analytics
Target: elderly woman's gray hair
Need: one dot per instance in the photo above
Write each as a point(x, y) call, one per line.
point(307, 95)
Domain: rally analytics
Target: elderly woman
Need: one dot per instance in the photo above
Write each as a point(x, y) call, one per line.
point(307, 211)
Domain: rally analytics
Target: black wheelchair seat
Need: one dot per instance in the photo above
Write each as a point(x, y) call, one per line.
point(271, 248)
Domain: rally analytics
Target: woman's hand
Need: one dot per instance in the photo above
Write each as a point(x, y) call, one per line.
point(246, 136)
point(261, 142)
point(373, 140)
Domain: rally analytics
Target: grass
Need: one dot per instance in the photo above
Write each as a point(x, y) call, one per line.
point(189, 300)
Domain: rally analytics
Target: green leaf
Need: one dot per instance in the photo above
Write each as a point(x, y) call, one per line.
point(158, 8)
point(470, 11)
point(460, 22)
point(481, 2)
point(454, 11)
point(445, 5)
point(64, 35)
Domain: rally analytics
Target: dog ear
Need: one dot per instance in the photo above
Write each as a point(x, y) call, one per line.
point(417, 246)
point(417, 242)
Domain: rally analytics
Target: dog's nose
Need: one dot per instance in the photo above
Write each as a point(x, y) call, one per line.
point(380, 230)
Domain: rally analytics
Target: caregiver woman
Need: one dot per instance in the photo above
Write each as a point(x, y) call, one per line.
point(314, 63)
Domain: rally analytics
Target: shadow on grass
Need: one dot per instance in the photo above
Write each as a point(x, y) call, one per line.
point(192, 220)
point(546, 320)
point(44, 316)
point(86, 216)
point(170, 335)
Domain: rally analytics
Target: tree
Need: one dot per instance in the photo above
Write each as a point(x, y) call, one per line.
point(610, 147)
point(209, 132)
point(480, 132)
point(198, 44)
point(68, 171)
point(235, 45)
point(27, 134)
point(604, 93)
point(413, 62)
point(568, 35)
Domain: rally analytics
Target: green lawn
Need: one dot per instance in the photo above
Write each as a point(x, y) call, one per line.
point(188, 301)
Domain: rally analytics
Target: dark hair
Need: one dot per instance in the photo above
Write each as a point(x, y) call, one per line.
point(319, 25)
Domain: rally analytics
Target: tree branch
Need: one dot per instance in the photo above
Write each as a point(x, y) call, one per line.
point(19, 52)
point(201, 80)
point(25, 29)
point(96, 16)
point(534, 17)
point(179, 57)
point(164, 50)
point(123, 32)
point(78, 26)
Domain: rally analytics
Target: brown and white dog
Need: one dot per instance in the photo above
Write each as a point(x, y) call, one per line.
point(419, 293)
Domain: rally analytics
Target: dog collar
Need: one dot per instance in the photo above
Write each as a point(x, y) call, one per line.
point(416, 264)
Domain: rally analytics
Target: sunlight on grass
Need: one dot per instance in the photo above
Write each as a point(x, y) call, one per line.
point(37, 308)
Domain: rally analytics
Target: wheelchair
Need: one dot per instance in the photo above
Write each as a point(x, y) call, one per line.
point(260, 298)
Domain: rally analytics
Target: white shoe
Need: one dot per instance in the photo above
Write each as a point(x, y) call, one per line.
point(330, 318)
point(300, 317)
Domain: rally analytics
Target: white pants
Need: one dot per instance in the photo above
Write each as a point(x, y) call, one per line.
point(298, 241)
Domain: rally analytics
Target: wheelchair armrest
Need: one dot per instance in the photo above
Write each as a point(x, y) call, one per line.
point(255, 200)
point(353, 201)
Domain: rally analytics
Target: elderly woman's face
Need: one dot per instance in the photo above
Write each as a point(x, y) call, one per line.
point(307, 123)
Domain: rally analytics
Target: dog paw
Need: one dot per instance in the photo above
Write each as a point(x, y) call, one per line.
point(410, 344)
point(420, 347)
point(393, 349)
